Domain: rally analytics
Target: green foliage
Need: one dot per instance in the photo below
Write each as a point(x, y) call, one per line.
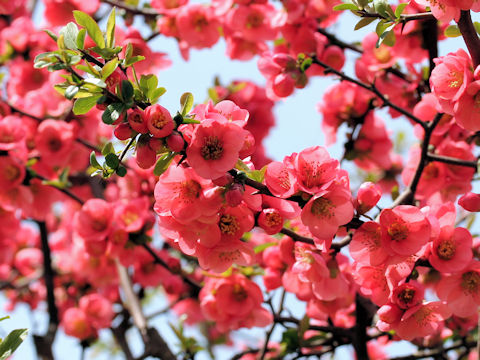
point(91, 26)
point(11, 342)
point(163, 163)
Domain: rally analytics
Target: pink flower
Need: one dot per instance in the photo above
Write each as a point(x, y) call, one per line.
point(405, 230)
point(60, 12)
point(315, 169)
point(54, 139)
point(12, 132)
point(326, 211)
point(233, 302)
point(467, 109)
point(461, 290)
point(451, 251)
point(366, 246)
point(98, 309)
point(215, 147)
point(281, 178)
point(76, 323)
point(197, 26)
point(12, 172)
point(253, 22)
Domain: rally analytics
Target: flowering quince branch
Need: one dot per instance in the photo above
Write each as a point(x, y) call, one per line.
point(470, 36)
point(200, 178)
point(371, 88)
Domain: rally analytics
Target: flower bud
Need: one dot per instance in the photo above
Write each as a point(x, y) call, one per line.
point(159, 121)
point(470, 202)
point(146, 156)
point(123, 131)
point(223, 180)
point(234, 195)
point(271, 221)
point(137, 121)
point(175, 142)
point(368, 196)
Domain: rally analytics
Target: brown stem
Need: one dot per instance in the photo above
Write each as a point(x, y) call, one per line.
point(133, 10)
point(44, 343)
point(372, 88)
point(470, 36)
point(452, 161)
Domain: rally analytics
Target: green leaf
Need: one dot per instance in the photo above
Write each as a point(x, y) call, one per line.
point(112, 160)
point(257, 175)
point(345, 7)
point(51, 34)
point(4, 318)
point(107, 53)
point(11, 342)
point(97, 82)
point(128, 51)
point(108, 149)
point(92, 27)
point(81, 39)
point(259, 248)
point(132, 60)
point(109, 68)
point(186, 101)
point(126, 90)
point(155, 94)
point(83, 105)
point(121, 171)
point(290, 340)
point(112, 113)
point(364, 22)
point(381, 7)
point(399, 9)
point(476, 24)
point(94, 162)
point(71, 91)
point(303, 326)
point(111, 29)
point(44, 59)
point(148, 83)
point(70, 34)
point(452, 31)
point(61, 42)
point(162, 163)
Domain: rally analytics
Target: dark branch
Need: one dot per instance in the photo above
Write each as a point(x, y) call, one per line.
point(470, 36)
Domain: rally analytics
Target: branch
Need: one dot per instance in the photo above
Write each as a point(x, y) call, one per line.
point(43, 344)
point(470, 36)
point(297, 237)
point(154, 343)
point(452, 161)
point(407, 196)
point(158, 260)
point(440, 351)
point(403, 18)
point(372, 89)
point(63, 190)
point(334, 330)
point(147, 12)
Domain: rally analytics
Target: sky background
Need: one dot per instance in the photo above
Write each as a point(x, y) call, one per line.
point(297, 127)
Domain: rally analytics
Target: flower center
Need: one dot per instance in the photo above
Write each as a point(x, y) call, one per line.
point(470, 281)
point(456, 79)
point(212, 148)
point(406, 296)
point(239, 293)
point(11, 172)
point(129, 217)
point(199, 22)
point(54, 144)
point(446, 249)
point(190, 189)
point(273, 219)
point(159, 120)
point(398, 231)
point(322, 207)
point(228, 224)
point(254, 20)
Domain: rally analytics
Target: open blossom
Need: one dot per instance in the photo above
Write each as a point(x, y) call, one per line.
point(451, 251)
point(461, 290)
point(197, 26)
point(215, 147)
point(315, 169)
point(326, 211)
point(233, 302)
point(405, 230)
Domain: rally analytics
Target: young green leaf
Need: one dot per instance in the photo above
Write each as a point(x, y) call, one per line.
point(111, 29)
point(81, 38)
point(71, 91)
point(51, 34)
point(345, 7)
point(112, 160)
point(94, 162)
point(70, 33)
point(109, 68)
point(399, 9)
point(83, 105)
point(186, 101)
point(108, 149)
point(364, 22)
point(127, 90)
point(162, 163)
point(452, 31)
point(11, 342)
point(92, 27)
